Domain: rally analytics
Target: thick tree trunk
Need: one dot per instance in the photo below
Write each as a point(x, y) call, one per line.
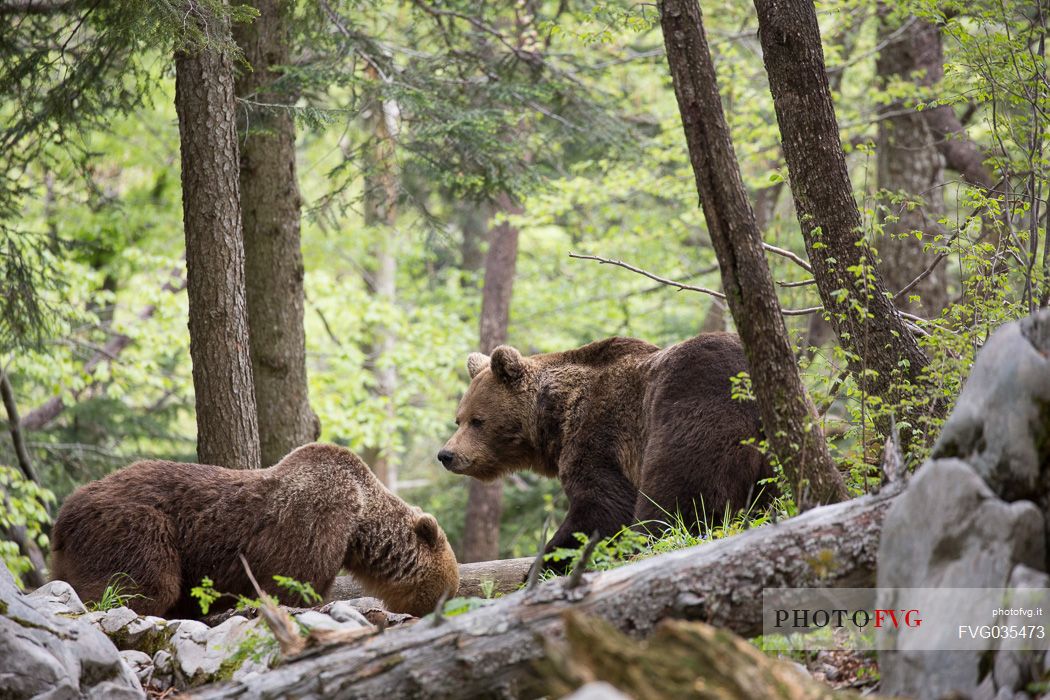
point(485, 501)
point(910, 166)
point(788, 417)
point(491, 652)
point(864, 319)
point(273, 261)
point(227, 429)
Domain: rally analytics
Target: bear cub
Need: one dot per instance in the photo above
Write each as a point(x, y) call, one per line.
point(633, 432)
point(167, 525)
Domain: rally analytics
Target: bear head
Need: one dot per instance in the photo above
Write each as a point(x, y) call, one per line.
point(426, 573)
point(494, 418)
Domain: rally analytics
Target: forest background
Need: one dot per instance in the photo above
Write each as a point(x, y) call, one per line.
point(428, 135)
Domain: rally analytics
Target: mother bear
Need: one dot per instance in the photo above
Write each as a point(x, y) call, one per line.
point(632, 431)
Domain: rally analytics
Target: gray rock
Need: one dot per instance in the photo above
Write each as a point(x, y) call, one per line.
point(949, 530)
point(140, 663)
point(44, 654)
point(345, 611)
point(163, 671)
point(130, 631)
point(998, 425)
point(202, 654)
point(58, 598)
point(351, 620)
point(597, 690)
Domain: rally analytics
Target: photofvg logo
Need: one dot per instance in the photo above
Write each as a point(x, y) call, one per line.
point(930, 619)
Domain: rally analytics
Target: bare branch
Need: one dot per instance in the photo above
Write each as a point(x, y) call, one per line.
point(789, 255)
point(693, 288)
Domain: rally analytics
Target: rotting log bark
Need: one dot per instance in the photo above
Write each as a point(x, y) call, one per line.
point(490, 652)
point(680, 660)
point(506, 576)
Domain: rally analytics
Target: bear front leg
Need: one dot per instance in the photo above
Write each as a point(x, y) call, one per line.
point(600, 500)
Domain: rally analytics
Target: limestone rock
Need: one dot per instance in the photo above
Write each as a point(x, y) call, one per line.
point(948, 530)
point(999, 425)
point(45, 653)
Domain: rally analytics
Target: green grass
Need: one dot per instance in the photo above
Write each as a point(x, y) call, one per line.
point(669, 534)
point(115, 595)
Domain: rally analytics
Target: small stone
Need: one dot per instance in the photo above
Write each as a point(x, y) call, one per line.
point(311, 619)
point(344, 611)
point(58, 597)
point(597, 690)
point(140, 663)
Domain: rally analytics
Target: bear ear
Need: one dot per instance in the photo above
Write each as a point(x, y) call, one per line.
point(476, 362)
point(427, 529)
point(508, 365)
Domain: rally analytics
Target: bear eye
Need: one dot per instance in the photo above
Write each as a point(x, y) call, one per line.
point(476, 422)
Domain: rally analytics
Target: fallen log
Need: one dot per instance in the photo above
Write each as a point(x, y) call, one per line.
point(680, 660)
point(491, 651)
point(504, 575)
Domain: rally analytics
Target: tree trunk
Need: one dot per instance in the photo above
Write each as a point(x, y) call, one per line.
point(227, 431)
point(485, 500)
point(681, 660)
point(273, 261)
point(502, 575)
point(910, 166)
point(14, 426)
point(491, 652)
point(788, 417)
point(381, 197)
point(865, 321)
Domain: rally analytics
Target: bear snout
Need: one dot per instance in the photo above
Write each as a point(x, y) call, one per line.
point(447, 457)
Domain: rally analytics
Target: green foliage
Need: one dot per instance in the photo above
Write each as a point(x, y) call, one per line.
point(305, 591)
point(574, 115)
point(207, 595)
point(25, 505)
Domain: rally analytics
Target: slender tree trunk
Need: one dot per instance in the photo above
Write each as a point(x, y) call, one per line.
point(788, 417)
point(485, 501)
point(273, 261)
point(14, 425)
point(227, 429)
point(34, 578)
point(910, 166)
point(381, 197)
point(865, 321)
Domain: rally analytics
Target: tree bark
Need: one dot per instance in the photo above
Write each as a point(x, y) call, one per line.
point(492, 651)
point(270, 218)
point(788, 417)
point(680, 660)
point(868, 326)
point(227, 428)
point(14, 426)
point(910, 165)
point(485, 500)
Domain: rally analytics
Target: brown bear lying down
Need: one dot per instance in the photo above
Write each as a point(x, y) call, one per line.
point(167, 525)
point(632, 431)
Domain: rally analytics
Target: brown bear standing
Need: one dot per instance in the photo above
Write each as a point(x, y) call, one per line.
point(166, 526)
point(632, 431)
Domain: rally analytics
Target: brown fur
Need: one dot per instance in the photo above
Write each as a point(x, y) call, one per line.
point(632, 431)
point(167, 525)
